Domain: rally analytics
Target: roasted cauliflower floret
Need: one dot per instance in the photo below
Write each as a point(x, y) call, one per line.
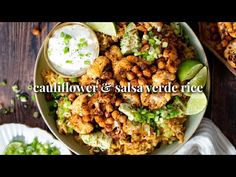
point(79, 126)
point(95, 71)
point(121, 67)
point(155, 100)
point(79, 104)
point(114, 53)
point(132, 98)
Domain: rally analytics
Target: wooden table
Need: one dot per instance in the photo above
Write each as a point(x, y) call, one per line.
point(18, 52)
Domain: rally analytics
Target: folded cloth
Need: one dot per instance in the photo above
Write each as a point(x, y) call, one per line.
point(207, 140)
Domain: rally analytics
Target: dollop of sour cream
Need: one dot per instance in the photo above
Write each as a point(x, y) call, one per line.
point(72, 48)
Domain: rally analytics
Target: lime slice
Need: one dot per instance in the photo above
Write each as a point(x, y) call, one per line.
point(200, 79)
point(108, 28)
point(188, 69)
point(196, 103)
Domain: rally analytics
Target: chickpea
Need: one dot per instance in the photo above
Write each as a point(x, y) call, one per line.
point(130, 75)
point(109, 120)
point(71, 97)
point(86, 119)
point(149, 81)
point(142, 81)
point(98, 119)
point(85, 111)
point(135, 69)
point(172, 69)
point(123, 82)
point(107, 114)
point(147, 73)
point(134, 82)
point(172, 77)
point(112, 82)
point(115, 114)
point(122, 118)
point(161, 64)
point(153, 69)
point(142, 65)
point(109, 108)
point(108, 128)
point(102, 124)
point(139, 74)
point(118, 102)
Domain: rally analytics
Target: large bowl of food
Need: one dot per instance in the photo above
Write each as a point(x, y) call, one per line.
point(131, 55)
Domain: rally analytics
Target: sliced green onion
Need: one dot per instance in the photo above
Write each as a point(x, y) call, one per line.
point(30, 87)
point(145, 37)
point(66, 50)
point(15, 88)
point(87, 62)
point(3, 83)
point(164, 44)
point(23, 98)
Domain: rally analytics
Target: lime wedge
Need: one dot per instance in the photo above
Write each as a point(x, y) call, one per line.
point(196, 103)
point(108, 28)
point(200, 79)
point(188, 69)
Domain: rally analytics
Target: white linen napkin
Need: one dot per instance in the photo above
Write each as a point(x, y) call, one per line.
point(207, 140)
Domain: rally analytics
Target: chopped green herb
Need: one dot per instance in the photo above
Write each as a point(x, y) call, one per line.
point(87, 62)
point(34, 148)
point(23, 98)
point(74, 79)
point(152, 42)
point(30, 87)
point(82, 45)
point(62, 34)
point(67, 38)
point(3, 83)
point(82, 40)
point(33, 98)
point(15, 88)
point(12, 102)
point(35, 114)
point(150, 33)
point(11, 110)
point(88, 54)
point(145, 37)
point(81, 55)
point(66, 50)
point(69, 61)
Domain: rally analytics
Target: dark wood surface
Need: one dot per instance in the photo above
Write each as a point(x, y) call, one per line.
point(18, 51)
